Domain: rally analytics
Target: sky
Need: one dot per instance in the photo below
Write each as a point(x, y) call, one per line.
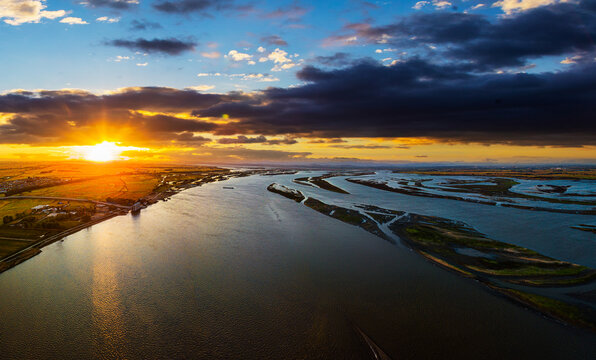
point(196, 81)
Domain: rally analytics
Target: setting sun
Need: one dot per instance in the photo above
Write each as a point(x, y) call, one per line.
point(106, 151)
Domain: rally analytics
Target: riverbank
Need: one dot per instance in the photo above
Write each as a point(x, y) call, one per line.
point(177, 182)
point(34, 249)
point(518, 273)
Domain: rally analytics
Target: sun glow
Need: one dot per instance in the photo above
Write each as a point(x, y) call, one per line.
point(106, 151)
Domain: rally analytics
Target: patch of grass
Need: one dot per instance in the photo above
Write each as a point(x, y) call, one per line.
point(323, 184)
point(423, 235)
point(557, 281)
point(555, 308)
point(11, 232)
point(296, 196)
point(319, 206)
point(446, 264)
point(452, 235)
point(508, 262)
point(349, 216)
point(302, 181)
point(521, 269)
point(8, 247)
point(500, 188)
point(381, 218)
point(12, 207)
point(67, 224)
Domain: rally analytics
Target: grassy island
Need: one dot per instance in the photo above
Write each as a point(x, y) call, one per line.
point(513, 271)
point(320, 182)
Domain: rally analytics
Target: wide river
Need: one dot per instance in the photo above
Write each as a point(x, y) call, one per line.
point(247, 274)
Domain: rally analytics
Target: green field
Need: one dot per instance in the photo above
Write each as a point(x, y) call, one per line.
point(122, 187)
point(8, 247)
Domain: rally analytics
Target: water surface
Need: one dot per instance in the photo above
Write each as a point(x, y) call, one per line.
point(245, 273)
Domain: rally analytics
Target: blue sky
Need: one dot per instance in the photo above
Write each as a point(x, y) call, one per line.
point(55, 55)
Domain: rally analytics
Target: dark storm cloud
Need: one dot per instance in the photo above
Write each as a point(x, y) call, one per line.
point(274, 40)
point(327, 141)
point(413, 98)
point(285, 141)
point(114, 4)
point(338, 59)
point(293, 12)
point(169, 46)
point(243, 140)
point(62, 116)
point(162, 99)
point(419, 99)
point(144, 25)
point(169, 124)
point(202, 7)
point(367, 147)
point(256, 140)
point(556, 29)
point(189, 137)
point(219, 155)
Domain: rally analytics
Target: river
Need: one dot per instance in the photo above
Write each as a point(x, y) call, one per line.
point(247, 274)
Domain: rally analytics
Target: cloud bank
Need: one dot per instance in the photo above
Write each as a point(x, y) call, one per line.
point(169, 46)
point(410, 99)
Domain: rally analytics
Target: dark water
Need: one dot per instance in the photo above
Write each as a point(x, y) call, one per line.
point(248, 274)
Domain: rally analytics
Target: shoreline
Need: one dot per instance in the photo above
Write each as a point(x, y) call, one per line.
point(521, 292)
point(34, 248)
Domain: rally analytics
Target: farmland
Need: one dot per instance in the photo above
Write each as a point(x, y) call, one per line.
point(41, 201)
